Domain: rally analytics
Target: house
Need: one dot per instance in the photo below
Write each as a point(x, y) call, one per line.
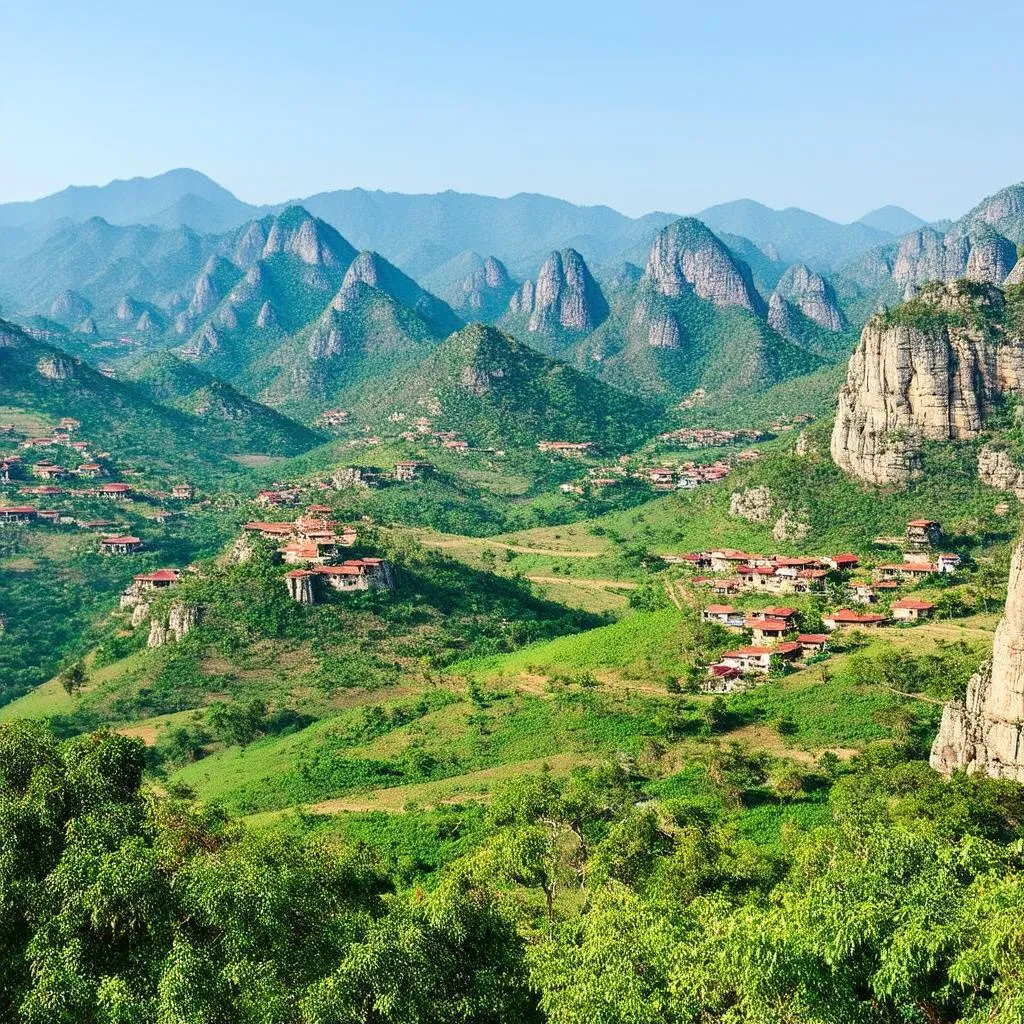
point(570, 488)
point(406, 472)
point(766, 630)
point(723, 679)
point(17, 514)
point(947, 562)
point(271, 531)
point(90, 469)
point(724, 615)
point(575, 449)
point(116, 491)
point(299, 552)
point(862, 593)
point(120, 545)
point(356, 574)
point(758, 659)
point(841, 563)
point(280, 496)
point(907, 571)
point(336, 417)
point(147, 582)
point(845, 618)
point(923, 533)
point(69, 424)
point(813, 643)
point(48, 471)
point(51, 515)
point(662, 478)
point(786, 614)
point(911, 609)
point(456, 444)
point(183, 492)
point(727, 559)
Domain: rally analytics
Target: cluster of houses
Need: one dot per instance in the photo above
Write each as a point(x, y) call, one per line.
point(708, 437)
point(312, 544)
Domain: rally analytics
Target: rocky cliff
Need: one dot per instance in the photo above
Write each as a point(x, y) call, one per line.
point(565, 299)
point(812, 295)
point(996, 468)
point(69, 307)
point(485, 292)
point(294, 232)
point(927, 370)
point(687, 254)
point(985, 731)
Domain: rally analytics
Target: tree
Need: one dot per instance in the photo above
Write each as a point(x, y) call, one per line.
point(73, 678)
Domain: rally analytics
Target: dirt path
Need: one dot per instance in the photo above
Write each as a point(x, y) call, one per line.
point(573, 581)
point(484, 542)
point(460, 788)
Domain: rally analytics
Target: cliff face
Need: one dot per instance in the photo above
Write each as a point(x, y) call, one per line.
point(929, 370)
point(70, 307)
point(485, 293)
point(985, 732)
point(997, 469)
point(565, 297)
point(688, 254)
point(812, 295)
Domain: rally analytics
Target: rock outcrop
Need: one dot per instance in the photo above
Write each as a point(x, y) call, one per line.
point(127, 310)
point(565, 297)
point(985, 732)
point(266, 318)
point(181, 619)
point(486, 292)
point(991, 258)
point(996, 468)
point(56, 368)
point(813, 296)
point(753, 504)
point(790, 527)
point(928, 370)
point(686, 254)
point(69, 307)
point(202, 344)
point(88, 327)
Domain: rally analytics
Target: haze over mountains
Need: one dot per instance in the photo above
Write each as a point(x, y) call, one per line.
point(250, 314)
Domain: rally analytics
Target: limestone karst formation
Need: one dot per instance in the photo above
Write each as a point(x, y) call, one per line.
point(985, 731)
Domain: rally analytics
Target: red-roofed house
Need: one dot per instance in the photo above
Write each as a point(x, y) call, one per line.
point(845, 618)
point(120, 545)
point(813, 643)
point(767, 630)
point(758, 659)
point(90, 469)
point(117, 491)
point(841, 562)
point(724, 615)
point(17, 514)
point(910, 609)
point(922, 533)
point(907, 571)
point(48, 471)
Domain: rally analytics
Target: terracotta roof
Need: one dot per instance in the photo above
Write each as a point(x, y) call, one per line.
point(915, 603)
point(117, 488)
point(787, 648)
point(742, 652)
point(925, 567)
point(922, 522)
point(777, 613)
point(725, 671)
point(775, 625)
point(721, 609)
point(297, 574)
point(812, 638)
point(160, 576)
point(845, 615)
point(339, 570)
point(121, 540)
point(11, 510)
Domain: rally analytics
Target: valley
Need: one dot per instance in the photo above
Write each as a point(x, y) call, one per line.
point(583, 595)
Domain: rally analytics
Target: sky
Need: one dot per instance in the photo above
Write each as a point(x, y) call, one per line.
point(837, 108)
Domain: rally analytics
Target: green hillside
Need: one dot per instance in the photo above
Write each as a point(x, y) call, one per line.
point(498, 391)
point(242, 425)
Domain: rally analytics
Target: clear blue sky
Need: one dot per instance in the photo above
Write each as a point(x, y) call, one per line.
point(640, 105)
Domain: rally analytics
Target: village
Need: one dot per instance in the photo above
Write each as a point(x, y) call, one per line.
point(776, 631)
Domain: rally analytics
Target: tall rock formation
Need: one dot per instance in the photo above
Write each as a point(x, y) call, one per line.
point(813, 296)
point(687, 254)
point(928, 370)
point(1015, 276)
point(985, 731)
point(70, 307)
point(484, 293)
point(564, 300)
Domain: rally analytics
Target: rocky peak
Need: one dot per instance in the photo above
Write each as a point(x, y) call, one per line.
point(146, 323)
point(984, 732)
point(565, 297)
point(991, 259)
point(127, 309)
point(813, 296)
point(371, 270)
point(927, 370)
point(314, 242)
point(70, 307)
point(266, 318)
point(1015, 276)
point(486, 291)
point(88, 327)
point(211, 286)
point(782, 316)
point(686, 254)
